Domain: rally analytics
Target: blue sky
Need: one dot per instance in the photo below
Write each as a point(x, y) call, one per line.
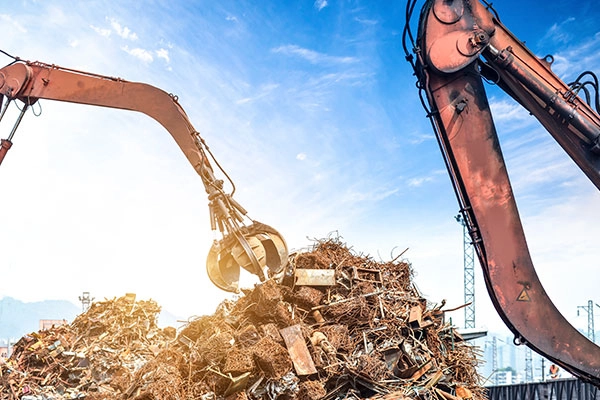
point(312, 110)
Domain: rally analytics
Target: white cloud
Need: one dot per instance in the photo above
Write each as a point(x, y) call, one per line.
point(164, 54)
point(568, 63)
point(101, 31)
point(301, 156)
point(320, 4)
point(509, 111)
point(245, 100)
point(538, 168)
point(421, 137)
point(561, 65)
point(559, 32)
point(312, 56)
point(123, 32)
point(143, 55)
point(417, 182)
point(369, 22)
point(231, 18)
point(319, 85)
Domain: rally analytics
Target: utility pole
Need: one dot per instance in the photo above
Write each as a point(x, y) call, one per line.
point(469, 273)
point(543, 370)
point(589, 309)
point(85, 301)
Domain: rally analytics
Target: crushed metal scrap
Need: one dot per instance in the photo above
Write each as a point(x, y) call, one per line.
point(339, 326)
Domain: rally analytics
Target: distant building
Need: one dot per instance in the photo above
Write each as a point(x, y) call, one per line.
point(505, 377)
point(46, 324)
point(6, 347)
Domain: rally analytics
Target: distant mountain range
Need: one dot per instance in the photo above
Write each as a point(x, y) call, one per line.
point(18, 318)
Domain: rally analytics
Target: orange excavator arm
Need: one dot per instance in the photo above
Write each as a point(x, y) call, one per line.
point(29, 82)
point(251, 245)
point(458, 42)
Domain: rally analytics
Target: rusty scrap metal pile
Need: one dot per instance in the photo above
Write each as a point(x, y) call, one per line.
point(339, 326)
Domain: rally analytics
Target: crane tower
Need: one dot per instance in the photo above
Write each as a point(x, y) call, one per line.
point(469, 274)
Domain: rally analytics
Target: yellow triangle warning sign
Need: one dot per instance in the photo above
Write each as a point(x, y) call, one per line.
point(523, 296)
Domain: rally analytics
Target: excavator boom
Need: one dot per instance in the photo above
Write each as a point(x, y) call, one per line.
point(458, 42)
point(248, 244)
point(29, 82)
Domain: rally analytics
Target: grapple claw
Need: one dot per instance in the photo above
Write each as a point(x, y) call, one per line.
point(257, 248)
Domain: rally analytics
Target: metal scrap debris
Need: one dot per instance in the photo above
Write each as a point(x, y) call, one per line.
point(358, 330)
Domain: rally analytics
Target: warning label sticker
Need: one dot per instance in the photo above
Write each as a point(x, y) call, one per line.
point(524, 296)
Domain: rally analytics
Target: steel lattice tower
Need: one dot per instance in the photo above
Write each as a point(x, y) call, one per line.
point(495, 361)
point(591, 331)
point(590, 314)
point(528, 365)
point(469, 274)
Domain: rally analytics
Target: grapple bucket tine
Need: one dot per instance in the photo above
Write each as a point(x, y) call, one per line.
point(257, 248)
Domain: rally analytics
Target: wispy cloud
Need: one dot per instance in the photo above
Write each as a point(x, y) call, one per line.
point(419, 138)
point(164, 54)
point(312, 56)
point(123, 31)
point(585, 52)
point(508, 111)
point(7, 19)
point(365, 21)
point(320, 4)
point(559, 32)
point(355, 78)
point(419, 181)
point(370, 195)
point(316, 92)
point(101, 31)
point(263, 91)
point(510, 117)
point(115, 27)
point(537, 166)
point(141, 54)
